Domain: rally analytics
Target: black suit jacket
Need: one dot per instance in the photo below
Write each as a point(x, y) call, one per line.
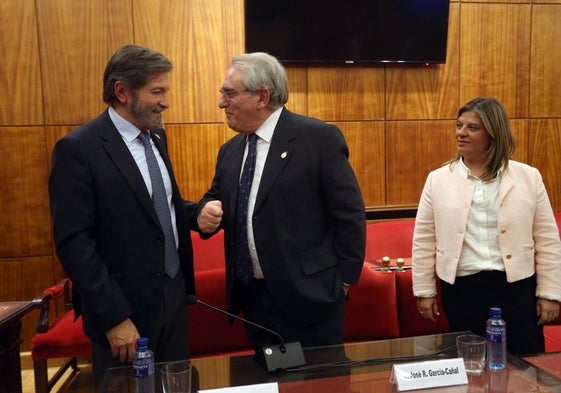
point(308, 221)
point(106, 231)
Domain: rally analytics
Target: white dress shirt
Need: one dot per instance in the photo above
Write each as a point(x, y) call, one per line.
point(264, 136)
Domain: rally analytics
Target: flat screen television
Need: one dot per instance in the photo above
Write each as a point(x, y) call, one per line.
point(348, 31)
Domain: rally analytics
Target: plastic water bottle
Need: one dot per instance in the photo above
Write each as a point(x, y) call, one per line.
point(143, 367)
point(496, 340)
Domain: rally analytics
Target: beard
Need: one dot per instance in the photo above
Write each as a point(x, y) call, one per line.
point(148, 117)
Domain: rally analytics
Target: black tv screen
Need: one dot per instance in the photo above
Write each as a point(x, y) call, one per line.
point(350, 31)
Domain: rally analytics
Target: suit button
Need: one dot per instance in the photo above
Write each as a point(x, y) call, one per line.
point(157, 274)
point(508, 256)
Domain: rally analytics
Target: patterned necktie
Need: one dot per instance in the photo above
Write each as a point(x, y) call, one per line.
point(160, 200)
point(244, 267)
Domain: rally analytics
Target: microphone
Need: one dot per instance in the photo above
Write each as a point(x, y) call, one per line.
point(277, 357)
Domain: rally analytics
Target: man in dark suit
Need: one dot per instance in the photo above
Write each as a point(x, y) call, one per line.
point(304, 234)
point(109, 235)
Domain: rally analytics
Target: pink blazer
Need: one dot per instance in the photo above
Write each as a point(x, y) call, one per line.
point(528, 234)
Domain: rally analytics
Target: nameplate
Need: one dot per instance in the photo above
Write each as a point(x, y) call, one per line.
point(272, 387)
point(429, 374)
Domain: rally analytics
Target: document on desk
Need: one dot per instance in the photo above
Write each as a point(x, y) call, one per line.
point(272, 387)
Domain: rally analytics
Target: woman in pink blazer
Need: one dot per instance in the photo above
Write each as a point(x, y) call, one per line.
point(485, 227)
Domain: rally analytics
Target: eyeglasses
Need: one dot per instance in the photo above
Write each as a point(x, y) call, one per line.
point(230, 94)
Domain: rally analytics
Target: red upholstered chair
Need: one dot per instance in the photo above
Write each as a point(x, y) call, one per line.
point(209, 331)
point(371, 311)
point(208, 254)
point(393, 238)
point(410, 322)
point(61, 338)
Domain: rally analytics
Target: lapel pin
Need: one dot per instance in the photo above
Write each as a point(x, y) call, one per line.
point(283, 154)
point(157, 136)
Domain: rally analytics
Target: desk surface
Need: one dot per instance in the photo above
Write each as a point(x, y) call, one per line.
point(357, 368)
point(13, 311)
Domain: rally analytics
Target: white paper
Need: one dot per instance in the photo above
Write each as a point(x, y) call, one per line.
point(429, 374)
point(272, 387)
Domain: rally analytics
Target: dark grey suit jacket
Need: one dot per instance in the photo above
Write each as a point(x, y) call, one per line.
point(309, 218)
point(106, 231)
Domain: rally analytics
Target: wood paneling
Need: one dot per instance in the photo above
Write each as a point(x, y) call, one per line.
point(346, 93)
point(193, 149)
point(427, 92)
point(413, 149)
point(20, 77)
point(495, 54)
point(495, 1)
point(23, 279)
point(545, 72)
point(366, 142)
point(298, 89)
point(190, 34)
point(25, 224)
point(545, 150)
point(77, 39)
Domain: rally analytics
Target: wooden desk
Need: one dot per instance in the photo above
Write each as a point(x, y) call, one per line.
point(362, 368)
point(10, 340)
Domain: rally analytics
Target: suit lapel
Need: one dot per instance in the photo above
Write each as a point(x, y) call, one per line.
point(233, 160)
point(121, 156)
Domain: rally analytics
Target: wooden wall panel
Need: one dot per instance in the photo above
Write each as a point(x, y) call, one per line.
point(20, 77)
point(77, 39)
point(366, 142)
point(497, 1)
point(193, 149)
point(520, 130)
point(427, 92)
point(495, 54)
point(545, 150)
point(26, 276)
point(413, 149)
point(25, 223)
point(178, 29)
point(298, 89)
point(545, 72)
point(346, 93)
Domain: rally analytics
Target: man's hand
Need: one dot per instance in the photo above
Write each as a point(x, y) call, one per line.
point(210, 217)
point(122, 339)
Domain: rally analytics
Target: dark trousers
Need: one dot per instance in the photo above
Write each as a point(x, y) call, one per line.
point(168, 336)
point(467, 302)
point(260, 307)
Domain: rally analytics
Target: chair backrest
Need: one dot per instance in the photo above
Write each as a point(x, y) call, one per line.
point(208, 254)
point(393, 238)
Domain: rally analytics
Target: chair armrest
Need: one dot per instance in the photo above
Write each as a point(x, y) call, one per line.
point(43, 300)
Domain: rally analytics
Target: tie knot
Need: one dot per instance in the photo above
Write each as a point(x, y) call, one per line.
point(251, 138)
point(144, 138)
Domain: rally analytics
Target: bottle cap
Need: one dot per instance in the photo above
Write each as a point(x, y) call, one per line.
point(495, 312)
point(142, 342)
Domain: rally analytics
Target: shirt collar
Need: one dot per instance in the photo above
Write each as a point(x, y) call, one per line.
point(266, 130)
point(466, 173)
point(128, 131)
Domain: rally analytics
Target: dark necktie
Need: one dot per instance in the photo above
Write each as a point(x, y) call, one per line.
point(244, 267)
point(159, 198)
